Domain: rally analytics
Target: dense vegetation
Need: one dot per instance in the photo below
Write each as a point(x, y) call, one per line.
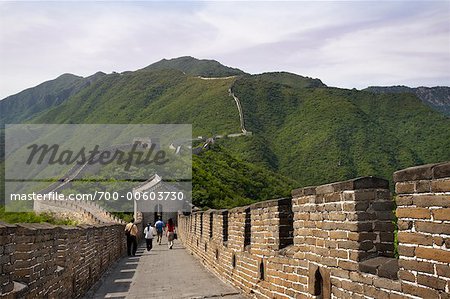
point(31, 217)
point(26, 104)
point(191, 66)
point(437, 97)
point(160, 96)
point(317, 135)
point(223, 181)
point(304, 133)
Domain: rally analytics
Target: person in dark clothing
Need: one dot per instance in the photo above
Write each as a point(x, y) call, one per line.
point(131, 232)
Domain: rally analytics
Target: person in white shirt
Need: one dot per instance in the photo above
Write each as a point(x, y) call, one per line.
point(148, 234)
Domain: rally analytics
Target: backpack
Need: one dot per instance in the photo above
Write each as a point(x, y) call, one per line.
point(159, 225)
point(128, 231)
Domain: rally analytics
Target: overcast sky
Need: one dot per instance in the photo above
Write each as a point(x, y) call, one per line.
point(345, 44)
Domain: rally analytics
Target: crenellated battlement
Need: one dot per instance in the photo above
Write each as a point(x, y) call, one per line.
point(334, 240)
point(40, 260)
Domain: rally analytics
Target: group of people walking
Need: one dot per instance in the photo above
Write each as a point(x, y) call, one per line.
point(159, 228)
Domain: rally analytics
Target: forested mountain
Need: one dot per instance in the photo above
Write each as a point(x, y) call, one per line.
point(303, 132)
point(437, 97)
point(30, 102)
point(196, 67)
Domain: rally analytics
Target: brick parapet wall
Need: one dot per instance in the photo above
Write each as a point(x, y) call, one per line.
point(83, 211)
point(345, 223)
point(342, 244)
point(48, 261)
point(423, 211)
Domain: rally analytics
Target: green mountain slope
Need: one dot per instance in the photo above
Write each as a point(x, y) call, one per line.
point(26, 104)
point(159, 96)
point(437, 97)
point(195, 67)
point(302, 129)
point(289, 79)
point(222, 181)
point(318, 135)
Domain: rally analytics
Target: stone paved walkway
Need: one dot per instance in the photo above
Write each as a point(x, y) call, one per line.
point(162, 273)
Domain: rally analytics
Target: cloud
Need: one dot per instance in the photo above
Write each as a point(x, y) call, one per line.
point(346, 44)
point(359, 46)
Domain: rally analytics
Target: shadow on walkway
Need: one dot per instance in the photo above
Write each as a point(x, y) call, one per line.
point(161, 273)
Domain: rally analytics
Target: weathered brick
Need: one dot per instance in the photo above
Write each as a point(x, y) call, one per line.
point(433, 254)
point(404, 200)
point(384, 226)
point(406, 275)
point(406, 250)
point(374, 292)
point(359, 255)
point(440, 185)
point(396, 296)
point(441, 214)
point(332, 197)
point(419, 291)
point(339, 253)
point(422, 172)
point(323, 237)
point(404, 224)
point(346, 265)
point(360, 277)
point(416, 265)
point(365, 195)
point(443, 270)
point(337, 293)
point(432, 282)
point(362, 236)
point(387, 205)
point(338, 234)
point(416, 213)
point(439, 241)
point(422, 186)
point(355, 206)
point(432, 200)
point(441, 170)
point(6, 288)
point(388, 284)
point(404, 187)
point(340, 273)
point(433, 228)
point(389, 270)
point(414, 238)
point(352, 286)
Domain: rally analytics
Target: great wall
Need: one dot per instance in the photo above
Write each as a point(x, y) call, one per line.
point(335, 240)
point(329, 241)
point(55, 261)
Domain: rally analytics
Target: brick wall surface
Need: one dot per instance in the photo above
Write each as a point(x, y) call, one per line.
point(423, 211)
point(334, 240)
point(49, 261)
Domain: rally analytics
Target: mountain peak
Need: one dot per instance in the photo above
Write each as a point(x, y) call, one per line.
point(291, 79)
point(96, 76)
point(197, 67)
point(67, 76)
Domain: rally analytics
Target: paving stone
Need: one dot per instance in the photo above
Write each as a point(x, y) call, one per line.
point(161, 273)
